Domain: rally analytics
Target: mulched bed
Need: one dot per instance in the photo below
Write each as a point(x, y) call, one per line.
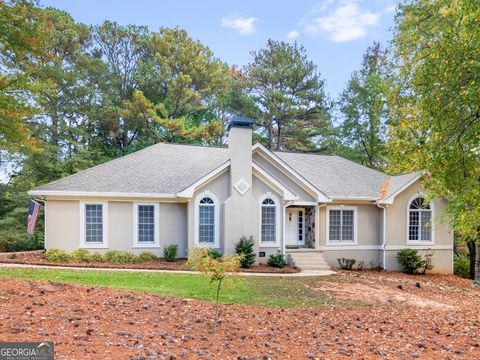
point(98, 323)
point(36, 258)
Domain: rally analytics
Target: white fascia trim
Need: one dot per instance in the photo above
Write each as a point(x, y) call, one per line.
point(301, 180)
point(263, 175)
point(349, 247)
point(419, 247)
point(156, 230)
point(358, 198)
point(189, 191)
point(99, 194)
point(389, 200)
point(104, 243)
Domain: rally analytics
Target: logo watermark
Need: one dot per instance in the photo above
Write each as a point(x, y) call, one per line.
point(26, 350)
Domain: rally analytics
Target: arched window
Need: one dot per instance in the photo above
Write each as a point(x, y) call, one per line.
point(269, 221)
point(207, 221)
point(419, 220)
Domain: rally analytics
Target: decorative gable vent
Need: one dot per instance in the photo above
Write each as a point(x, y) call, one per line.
point(242, 186)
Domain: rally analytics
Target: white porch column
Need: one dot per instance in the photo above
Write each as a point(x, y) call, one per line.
point(317, 226)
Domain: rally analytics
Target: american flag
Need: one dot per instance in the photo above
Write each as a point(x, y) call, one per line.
point(33, 209)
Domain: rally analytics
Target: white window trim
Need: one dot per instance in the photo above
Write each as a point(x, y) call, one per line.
point(355, 226)
point(83, 243)
point(196, 222)
point(270, 244)
point(432, 208)
point(156, 219)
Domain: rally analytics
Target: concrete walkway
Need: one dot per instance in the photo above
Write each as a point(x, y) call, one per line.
point(304, 273)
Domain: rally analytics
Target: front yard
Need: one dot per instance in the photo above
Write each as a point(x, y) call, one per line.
point(132, 315)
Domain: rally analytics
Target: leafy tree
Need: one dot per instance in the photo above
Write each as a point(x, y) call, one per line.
point(186, 76)
point(435, 106)
point(288, 90)
point(363, 106)
point(22, 36)
point(215, 269)
point(124, 53)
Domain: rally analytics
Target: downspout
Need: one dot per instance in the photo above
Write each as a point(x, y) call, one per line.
point(384, 242)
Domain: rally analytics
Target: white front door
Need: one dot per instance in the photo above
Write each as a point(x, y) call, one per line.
point(294, 227)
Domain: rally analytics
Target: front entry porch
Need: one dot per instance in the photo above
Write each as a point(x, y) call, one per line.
point(300, 227)
point(302, 237)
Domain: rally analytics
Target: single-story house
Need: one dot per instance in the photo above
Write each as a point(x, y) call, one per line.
point(312, 208)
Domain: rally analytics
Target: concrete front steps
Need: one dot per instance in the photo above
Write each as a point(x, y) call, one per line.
point(307, 259)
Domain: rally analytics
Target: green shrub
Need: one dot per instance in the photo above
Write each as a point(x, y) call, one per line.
point(214, 253)
point(82, 255)
point(146, 257)
point(170, 252)
point(97, 257)
point(56, 255)
point(461, 266)
point(410, 261)
point(346, 264)
point(244, 248)
point(276, 260)
point(120, 257)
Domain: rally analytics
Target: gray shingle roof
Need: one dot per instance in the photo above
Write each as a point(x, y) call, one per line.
point(161, 168)
point(400, 181)
point(336, 176)
point(171, 168)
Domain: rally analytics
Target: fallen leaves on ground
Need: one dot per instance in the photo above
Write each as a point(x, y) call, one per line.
point(88, 322)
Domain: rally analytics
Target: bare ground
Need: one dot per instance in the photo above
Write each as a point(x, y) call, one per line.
point(396, 318)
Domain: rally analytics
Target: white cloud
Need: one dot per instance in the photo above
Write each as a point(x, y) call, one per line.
point(346, 22)
point(293, 34)
point(245, 26)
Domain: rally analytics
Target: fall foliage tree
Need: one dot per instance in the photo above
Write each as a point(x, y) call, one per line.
point(435, 106)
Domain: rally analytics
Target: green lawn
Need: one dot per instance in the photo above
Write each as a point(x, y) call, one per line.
point(265, 291)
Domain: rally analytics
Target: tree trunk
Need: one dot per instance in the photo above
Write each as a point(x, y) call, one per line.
point(472, 254)
point(279, 136)
point(217, 308)
point(477, 263)
point(270, 133)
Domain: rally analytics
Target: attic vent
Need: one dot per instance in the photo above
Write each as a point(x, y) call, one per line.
point(242, 186)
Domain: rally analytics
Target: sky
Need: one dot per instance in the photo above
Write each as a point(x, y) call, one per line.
point(335, 33)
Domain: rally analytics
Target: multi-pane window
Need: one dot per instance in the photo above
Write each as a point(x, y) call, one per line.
point(268, 221)
point(93, 223)
point(341, 225)
point(419, 221)
point(146, 223)
point(206, 214)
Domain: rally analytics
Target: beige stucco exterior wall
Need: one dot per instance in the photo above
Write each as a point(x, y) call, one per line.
point(369, 224)
point(63, 226)
point(442, 246)
point(220, 188)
